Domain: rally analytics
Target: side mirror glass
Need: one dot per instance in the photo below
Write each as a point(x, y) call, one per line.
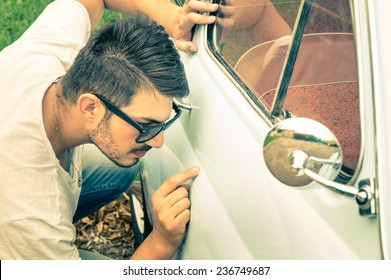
point(297, 147)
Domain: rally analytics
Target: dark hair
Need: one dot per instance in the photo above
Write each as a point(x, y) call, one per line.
point(123, 57)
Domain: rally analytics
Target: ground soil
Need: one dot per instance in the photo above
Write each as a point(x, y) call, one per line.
point(109, 230)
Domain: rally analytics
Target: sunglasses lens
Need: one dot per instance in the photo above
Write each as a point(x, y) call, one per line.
point(147, 135)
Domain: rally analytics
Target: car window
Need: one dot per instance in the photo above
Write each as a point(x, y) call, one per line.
point(247, 35)
point(294, 58)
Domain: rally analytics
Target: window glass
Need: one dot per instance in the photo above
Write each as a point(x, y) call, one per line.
point(253, 39)
point(248, 35)
point(323, 86)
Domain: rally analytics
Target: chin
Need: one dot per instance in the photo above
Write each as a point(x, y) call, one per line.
point(121, 161)
point(125, 163)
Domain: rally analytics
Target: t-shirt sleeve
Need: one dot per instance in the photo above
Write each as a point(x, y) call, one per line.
point(62, 29)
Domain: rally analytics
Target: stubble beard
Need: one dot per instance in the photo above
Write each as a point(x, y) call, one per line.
point(102, 138)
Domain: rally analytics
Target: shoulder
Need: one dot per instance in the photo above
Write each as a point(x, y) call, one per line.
point(61, 20)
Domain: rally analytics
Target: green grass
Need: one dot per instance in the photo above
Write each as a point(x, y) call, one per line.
point(17, 15)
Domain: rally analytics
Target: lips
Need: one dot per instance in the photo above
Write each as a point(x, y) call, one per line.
point(141, 151)
point(139, 154)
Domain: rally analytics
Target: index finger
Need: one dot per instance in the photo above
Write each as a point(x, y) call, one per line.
point(200, 6)
point(195, 18)
point(176, 180)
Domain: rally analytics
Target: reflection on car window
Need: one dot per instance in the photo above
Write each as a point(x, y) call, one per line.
point(253, 38)
point(323, 86)
point(248, 35)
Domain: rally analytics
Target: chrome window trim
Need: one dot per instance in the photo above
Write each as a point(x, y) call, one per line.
point(177, 2)
point(360, 78)
point(268, 115)
point(247, 93)
point(381, 170)
point(234, 77)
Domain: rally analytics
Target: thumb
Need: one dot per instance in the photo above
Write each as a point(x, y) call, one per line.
point(186, 46)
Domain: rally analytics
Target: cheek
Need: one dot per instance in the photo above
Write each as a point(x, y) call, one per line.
point(124, 133)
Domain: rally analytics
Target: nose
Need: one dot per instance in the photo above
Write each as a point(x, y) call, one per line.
point(157, 141)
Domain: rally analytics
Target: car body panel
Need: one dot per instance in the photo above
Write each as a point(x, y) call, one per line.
point(239, 209)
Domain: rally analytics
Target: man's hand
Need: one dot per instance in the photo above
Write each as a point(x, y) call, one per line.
point(171, 207)
point(187, 16)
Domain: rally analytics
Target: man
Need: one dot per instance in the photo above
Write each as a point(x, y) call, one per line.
point(58, 94)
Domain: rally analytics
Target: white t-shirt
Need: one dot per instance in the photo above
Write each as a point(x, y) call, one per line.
point(38, 198)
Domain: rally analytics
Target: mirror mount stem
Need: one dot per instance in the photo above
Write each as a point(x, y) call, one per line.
point(364, 195)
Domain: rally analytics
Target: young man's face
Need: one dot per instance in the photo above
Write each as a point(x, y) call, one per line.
point(117, 139)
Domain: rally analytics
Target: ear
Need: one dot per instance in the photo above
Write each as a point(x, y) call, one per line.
point(91, 109)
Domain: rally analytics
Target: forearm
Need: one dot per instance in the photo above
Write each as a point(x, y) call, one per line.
point(161, 11)
point(153, 249)
point(177, 21)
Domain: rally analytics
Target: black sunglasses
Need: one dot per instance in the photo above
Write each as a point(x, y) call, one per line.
point(146, 132)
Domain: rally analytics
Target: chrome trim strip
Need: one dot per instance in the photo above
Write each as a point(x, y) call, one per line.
point(290, 59)
point(380, 174)
point(247, 93)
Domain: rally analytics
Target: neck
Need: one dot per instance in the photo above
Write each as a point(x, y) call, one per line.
point(70, 130)
point(56, 120)
point(54, 126)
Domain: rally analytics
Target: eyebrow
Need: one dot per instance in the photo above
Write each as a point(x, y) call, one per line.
point(150, 120)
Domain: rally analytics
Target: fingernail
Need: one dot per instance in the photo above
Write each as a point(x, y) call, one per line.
point(195, 170)
point(214, 6)
point(212, 19)
point(193, 49)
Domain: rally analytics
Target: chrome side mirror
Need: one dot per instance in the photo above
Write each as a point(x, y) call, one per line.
point(296, 144)
point(298, 151)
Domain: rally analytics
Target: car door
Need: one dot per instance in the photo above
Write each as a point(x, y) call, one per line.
point(262, 63)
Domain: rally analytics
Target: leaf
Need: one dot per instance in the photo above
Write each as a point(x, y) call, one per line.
point(99, 226)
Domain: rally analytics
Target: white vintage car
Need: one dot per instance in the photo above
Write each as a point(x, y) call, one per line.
point(288, 119)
